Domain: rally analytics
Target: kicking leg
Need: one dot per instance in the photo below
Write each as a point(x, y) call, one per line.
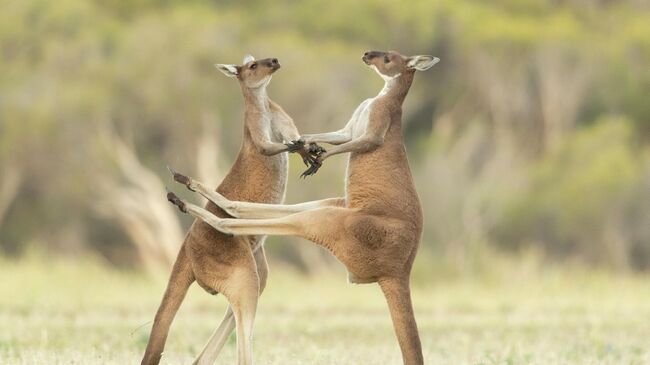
point(261, 210)
point(312, 224)
point(252, 210)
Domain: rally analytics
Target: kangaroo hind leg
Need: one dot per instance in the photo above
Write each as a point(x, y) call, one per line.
point(398, 297)
point(179, 282)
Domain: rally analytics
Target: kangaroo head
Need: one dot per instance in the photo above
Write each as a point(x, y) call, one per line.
point(252, 73)
point(392, 64)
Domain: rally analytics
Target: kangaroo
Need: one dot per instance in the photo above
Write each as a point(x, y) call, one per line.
point(221, 263)
point(375, 229)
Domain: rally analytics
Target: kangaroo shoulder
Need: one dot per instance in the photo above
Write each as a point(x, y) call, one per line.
point(278, 113)
point(276, 108)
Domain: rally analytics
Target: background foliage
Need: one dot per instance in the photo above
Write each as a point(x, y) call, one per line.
point(531, 135)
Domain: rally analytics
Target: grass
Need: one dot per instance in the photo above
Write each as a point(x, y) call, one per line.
point(85, 313)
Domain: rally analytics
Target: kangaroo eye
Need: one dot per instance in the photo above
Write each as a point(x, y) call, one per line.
point(386, 59)
point(253, 66)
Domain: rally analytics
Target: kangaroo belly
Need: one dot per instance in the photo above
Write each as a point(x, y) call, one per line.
point(253, 178)
point(380, 182)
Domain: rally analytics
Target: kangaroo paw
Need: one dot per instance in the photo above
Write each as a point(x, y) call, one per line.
point(174, 199)
point(180, 178)
point(316, 150)
point(295, 146)
point(307, 159)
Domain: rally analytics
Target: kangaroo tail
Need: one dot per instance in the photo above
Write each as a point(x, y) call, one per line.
point(180, 280)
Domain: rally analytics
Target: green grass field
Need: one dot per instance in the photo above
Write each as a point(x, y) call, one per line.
point(85, 313)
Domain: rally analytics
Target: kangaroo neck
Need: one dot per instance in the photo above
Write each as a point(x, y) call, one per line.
point(256, 99)
point(396, 88)
point(257, 108)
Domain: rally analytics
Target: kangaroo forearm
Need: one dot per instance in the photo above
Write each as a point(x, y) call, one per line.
point(271, 148)
point(334, 138)
point(363, 144)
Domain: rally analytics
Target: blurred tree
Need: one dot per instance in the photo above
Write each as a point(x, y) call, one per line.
point(522, 87)
point(575, 202)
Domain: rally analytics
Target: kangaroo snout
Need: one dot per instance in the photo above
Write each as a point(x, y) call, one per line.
point(369, 55)
point(274, 64)
point(366, 58)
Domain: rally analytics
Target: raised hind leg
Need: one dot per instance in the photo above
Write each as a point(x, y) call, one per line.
point(239, 209)
point(318, 225)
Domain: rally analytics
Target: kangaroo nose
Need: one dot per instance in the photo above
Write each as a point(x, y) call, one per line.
point(366, 58)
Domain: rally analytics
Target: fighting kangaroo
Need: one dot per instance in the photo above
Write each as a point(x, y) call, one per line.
point(375, 230)
point(220, 263)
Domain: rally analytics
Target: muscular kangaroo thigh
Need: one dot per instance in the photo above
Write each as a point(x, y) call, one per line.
point(383, 246)
point(214, 259)
point(367, 230)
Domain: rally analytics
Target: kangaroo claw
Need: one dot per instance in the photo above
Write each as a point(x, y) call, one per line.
point(315, 149)
point(307, 159)
point(295, 146)
point(310, 171)
point(174, 199)
point(315, 165)
point(180, 178)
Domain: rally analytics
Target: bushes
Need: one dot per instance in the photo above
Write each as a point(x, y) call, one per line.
point(520, 153)
point(578, 197)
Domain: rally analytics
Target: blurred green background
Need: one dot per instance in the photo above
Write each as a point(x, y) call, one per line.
point(529, 141)
point(533, 132)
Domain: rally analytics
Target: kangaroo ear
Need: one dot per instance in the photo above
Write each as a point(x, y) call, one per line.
point(248, 58)
point(228, 70)
point(421, 63)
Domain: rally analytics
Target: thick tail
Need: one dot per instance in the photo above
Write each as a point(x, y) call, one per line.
point(179, 281)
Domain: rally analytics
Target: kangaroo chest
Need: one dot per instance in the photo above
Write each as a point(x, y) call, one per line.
point(360, 121)
point(361, 117)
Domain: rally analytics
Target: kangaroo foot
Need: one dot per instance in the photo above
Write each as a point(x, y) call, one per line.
point(180, 178)
point(174, 199)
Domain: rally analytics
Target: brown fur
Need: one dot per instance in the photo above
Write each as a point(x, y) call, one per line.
point(375, 231)
point(220, 263)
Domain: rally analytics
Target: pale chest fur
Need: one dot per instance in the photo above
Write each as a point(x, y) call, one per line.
point(271, 123)
point(275, 121)
point(265, 177)
point(360, 118)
